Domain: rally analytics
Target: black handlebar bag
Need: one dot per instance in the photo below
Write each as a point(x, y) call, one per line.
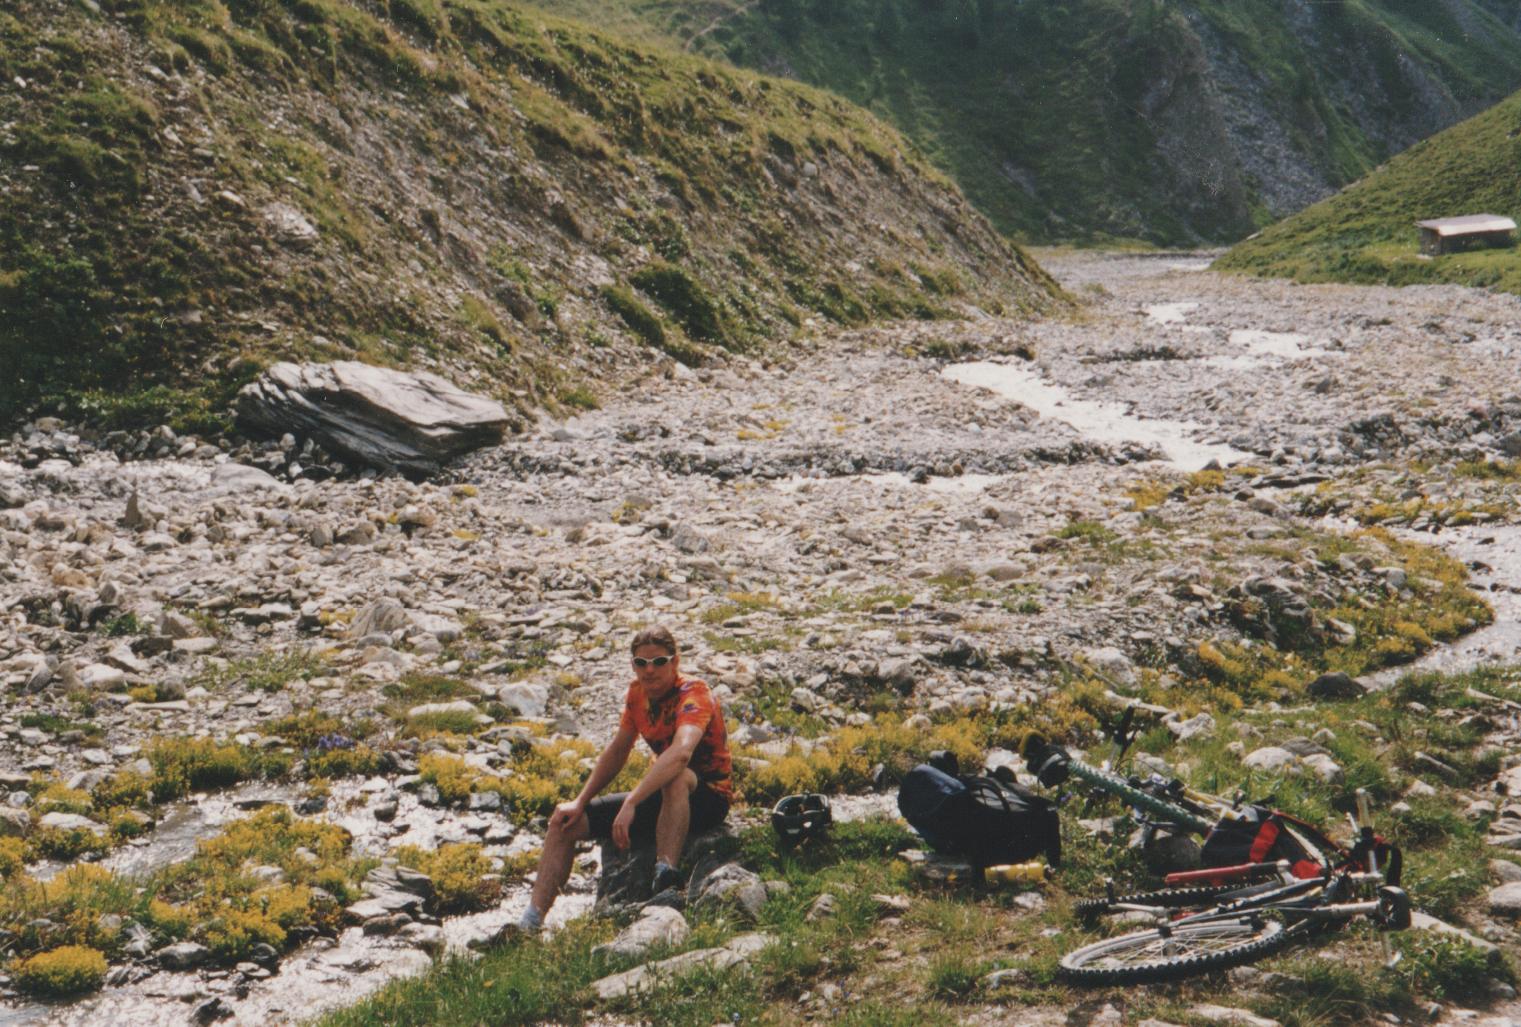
point(979, 819)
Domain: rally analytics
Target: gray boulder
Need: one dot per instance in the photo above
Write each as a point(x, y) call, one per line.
point(70, 822)
point(738, 951)
point(732, 884)
point(381, 617)
point(183, 955)
point(1270, 758)
point(1505, 901)
point(525, 699)
point(657, 925)
point(14, 823)
point(390, 420)
point(1336, 685)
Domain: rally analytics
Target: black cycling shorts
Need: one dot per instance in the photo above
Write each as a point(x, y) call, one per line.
point(708, 811)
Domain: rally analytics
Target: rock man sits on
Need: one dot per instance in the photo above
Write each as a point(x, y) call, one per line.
point(687, 788)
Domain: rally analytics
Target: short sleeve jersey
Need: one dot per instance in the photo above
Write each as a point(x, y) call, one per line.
point(689, 702)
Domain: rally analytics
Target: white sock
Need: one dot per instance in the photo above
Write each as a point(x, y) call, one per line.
point(531, 919)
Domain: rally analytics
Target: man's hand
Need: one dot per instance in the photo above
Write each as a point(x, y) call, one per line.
point(621, 824)
point(566, 814)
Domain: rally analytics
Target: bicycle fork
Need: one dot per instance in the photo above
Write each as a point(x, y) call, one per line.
point(1363, 827)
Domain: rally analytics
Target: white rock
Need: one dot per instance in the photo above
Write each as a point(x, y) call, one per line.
point(1324, 767)
point(732, 883)
point(101, 677)
point(379, 618)
point(289, 225)
point(1270, 758)
point(525, 699)
point(1202, 724)
point(1232, 1017)
point(1111, 664)
point(642, 978)
point(1506, 901)
point(70, 822)
point(445, 629)
point(657, 925)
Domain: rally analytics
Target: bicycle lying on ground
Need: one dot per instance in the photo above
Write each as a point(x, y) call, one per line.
point(1240, 927)
point(1289, 881)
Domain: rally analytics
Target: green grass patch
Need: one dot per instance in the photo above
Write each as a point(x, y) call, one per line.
point(185, 765)
point(687, 301)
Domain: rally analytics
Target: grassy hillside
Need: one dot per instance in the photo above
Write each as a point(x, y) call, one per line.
point(1366, 233)
point(194, 188)
point(1096, 119)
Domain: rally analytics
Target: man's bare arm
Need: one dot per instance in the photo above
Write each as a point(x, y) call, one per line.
point(668, 765)
point(609, 763)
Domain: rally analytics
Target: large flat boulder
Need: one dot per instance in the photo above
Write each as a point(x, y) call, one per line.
point(391, 420)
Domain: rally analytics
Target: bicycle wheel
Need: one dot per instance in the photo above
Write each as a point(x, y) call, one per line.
point(1167, 898)
point(1181, 951)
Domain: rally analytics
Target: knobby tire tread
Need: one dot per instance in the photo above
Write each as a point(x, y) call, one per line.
point(1167, 898)
point(1174, 968)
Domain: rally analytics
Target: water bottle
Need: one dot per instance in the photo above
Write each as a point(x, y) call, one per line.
point(1033, 872)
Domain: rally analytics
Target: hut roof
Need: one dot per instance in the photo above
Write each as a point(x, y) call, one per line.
point(1468, 224)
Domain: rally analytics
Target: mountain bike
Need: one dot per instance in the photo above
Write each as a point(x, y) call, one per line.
point(1242, 926)
point(1241, 838)
point(1293, 880)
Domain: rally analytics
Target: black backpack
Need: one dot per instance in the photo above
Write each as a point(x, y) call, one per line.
point(983, 820)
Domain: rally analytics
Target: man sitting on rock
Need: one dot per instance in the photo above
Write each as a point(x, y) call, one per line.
point(686, 789)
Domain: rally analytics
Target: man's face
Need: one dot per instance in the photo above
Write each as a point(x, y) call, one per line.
point(656, 670)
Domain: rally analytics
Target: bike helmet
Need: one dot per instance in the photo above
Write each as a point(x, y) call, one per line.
point(801, 816)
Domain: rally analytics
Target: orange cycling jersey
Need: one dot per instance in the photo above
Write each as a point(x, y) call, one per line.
point(689, 702)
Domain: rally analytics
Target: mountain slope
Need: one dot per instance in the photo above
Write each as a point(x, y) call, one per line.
point(1366, 233)
point(193, 188)
point(1172, 121)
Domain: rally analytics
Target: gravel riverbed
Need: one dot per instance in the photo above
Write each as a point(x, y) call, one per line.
point(911, 507)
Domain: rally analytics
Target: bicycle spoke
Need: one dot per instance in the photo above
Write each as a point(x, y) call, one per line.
point(1181, 950)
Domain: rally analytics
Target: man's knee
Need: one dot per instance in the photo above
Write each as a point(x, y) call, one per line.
point(577, 830)
point(679, 788)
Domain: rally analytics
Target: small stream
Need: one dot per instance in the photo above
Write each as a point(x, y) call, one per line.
point(1103, 422)
point(1493, 555)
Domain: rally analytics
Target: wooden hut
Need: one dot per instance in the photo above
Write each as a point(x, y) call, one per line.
point(1473, 231)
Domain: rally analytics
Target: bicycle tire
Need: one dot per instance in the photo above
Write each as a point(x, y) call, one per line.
point(1167, 898)
point(1148, 957)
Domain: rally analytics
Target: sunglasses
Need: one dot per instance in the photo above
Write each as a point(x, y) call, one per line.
point(659, 661)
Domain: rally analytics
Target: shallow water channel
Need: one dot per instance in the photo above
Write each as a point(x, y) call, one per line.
point(1102, 422)
point(1493, 556)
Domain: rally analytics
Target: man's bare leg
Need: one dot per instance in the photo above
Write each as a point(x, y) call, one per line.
point(554, 862)
point(675, 818)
